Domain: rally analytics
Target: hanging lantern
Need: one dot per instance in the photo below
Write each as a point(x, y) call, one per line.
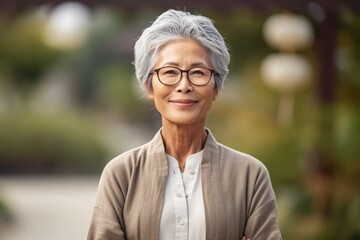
point(287, 72)
point(68, 26)
point(288, 32)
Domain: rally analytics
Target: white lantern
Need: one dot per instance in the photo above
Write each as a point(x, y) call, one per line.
point(68, 26)
point(285, 73)
point(288, 32)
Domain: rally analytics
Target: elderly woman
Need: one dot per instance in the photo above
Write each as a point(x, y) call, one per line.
point(183, 184)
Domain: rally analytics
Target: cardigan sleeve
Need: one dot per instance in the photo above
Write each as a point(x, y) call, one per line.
point(107, 221)
point(262, 222)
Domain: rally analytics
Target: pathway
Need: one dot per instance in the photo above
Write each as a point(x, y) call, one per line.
point(47, 207)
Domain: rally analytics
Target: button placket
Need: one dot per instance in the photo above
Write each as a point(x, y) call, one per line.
point(181, 185)
point(181, 208)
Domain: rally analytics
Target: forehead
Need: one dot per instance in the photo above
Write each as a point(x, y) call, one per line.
point(182, 51)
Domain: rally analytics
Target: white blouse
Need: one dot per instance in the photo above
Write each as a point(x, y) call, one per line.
point(183, 214)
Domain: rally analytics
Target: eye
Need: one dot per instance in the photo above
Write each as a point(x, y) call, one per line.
point(199, 72)
point(169, 72)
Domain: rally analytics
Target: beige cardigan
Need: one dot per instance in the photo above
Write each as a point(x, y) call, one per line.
point(238, 196)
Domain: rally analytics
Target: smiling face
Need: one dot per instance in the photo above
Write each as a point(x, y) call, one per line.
point(182, 103)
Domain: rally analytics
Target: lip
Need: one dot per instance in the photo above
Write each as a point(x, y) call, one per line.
point(184, 102)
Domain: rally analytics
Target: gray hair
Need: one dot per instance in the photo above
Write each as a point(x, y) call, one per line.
point(173, 25)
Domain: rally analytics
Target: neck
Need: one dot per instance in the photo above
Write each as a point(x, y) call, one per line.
point(183, 140)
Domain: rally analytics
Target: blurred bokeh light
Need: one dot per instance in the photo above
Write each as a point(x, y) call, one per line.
point(67, 26)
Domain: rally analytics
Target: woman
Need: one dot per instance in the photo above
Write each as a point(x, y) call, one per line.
point(183, 184)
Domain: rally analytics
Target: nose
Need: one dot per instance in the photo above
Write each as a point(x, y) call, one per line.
point(184, 84)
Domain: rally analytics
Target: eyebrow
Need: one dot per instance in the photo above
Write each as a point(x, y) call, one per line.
point(196, 64)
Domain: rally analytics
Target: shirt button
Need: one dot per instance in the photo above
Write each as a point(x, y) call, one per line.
point(192, 172)
point(181, 222)
point(179, 195)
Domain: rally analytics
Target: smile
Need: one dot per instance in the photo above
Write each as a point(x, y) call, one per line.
point(184, 102)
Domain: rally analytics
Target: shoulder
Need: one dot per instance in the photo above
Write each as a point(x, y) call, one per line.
point(127, 158)
point(126, 161)
point(230, 158)
point(137, 161)
point(250, 173)
point(246, 169)
point(240, 159)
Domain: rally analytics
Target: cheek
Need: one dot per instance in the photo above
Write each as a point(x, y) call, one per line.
point(159, 95)
point(208, 100)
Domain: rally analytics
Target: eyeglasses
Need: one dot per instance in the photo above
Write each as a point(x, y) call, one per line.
point(198, 76)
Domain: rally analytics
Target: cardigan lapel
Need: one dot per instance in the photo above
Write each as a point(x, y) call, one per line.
point(157, 174)
point(212, 191)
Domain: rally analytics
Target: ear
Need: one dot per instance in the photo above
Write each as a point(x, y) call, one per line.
point(148, 90)
point(216, 93)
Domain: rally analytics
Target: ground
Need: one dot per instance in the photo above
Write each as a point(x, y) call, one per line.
point(48, 207)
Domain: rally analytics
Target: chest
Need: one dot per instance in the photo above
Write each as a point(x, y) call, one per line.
point(224, 204)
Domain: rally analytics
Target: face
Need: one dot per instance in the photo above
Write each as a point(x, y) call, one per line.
point(182, 103)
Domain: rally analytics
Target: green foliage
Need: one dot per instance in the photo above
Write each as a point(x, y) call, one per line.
point(22, 51)
point(119, 92)
point(5, 215)
point(349, 51)
point(3, 210)
point(32, 143)
point(114, 86)
point(347, 140)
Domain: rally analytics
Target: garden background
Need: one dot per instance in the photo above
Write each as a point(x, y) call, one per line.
point(69, 102)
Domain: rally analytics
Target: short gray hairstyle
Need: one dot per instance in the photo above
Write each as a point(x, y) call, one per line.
point(174, 25)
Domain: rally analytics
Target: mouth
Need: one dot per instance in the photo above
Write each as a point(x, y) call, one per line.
point(184, 102)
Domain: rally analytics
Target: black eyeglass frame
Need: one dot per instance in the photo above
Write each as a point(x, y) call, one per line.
point(181, 74)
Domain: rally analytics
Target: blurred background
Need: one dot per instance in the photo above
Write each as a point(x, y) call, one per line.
point(69, 103)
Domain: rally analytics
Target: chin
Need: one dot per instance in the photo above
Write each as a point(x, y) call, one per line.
point(182, 120)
